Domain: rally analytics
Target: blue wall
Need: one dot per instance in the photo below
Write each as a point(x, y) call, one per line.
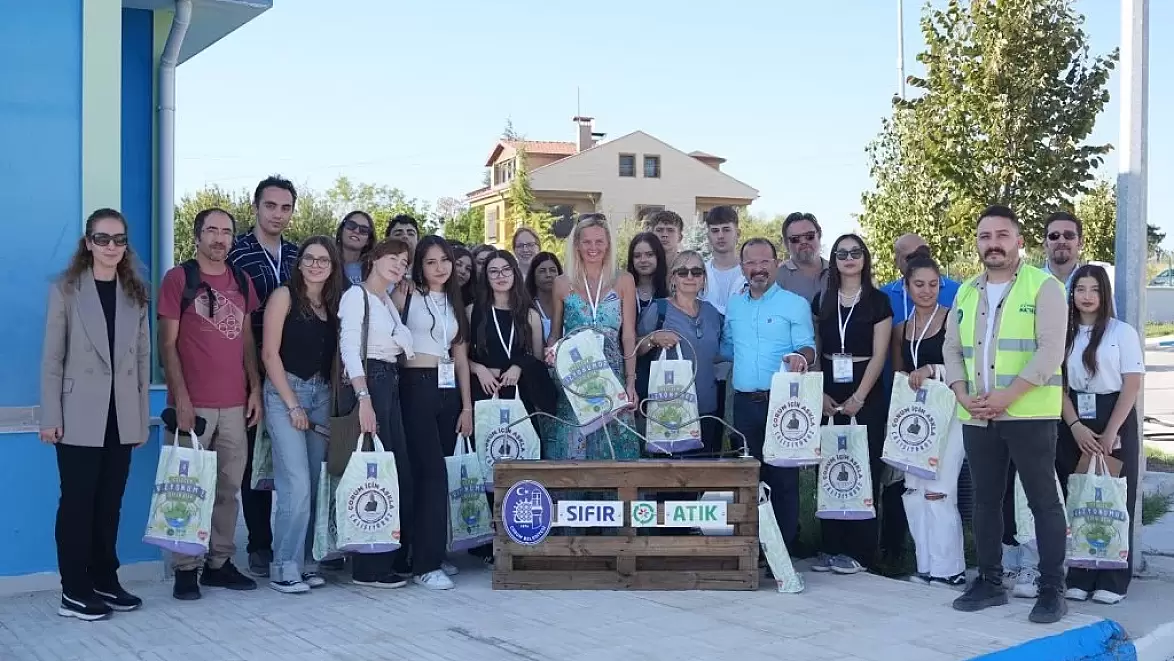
point(138, 112)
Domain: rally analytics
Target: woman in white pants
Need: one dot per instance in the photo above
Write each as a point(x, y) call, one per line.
point(931, 505)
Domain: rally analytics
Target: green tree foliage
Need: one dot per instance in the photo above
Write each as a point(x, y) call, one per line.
point(1009, 97)
point(467, 226)
point(237, 202)
point(382, 202)
point(1097, 211)
point(524, 210)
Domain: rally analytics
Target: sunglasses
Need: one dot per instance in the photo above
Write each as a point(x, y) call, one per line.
point(105, 239)
point(796, 239)
point(855, 253)
point(1067, 234)
point(352, 226)
point(695, 271)
point(308, 260)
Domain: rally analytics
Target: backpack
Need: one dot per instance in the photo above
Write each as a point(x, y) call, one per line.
point(193, 284)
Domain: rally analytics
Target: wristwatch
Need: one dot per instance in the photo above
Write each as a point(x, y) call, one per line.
point(363, 394)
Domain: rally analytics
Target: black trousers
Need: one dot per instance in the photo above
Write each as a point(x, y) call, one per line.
point(859, 539)
point(92, 483)
point(257, 505)
point(750, 412)
point(430, 416)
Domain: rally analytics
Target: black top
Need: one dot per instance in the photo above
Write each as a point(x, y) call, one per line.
point(928, 353)
point(490, 351)
point(872, 307)
point(307, 344)
point(107, 293)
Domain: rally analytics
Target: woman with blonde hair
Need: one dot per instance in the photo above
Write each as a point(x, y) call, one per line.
point(592, 292)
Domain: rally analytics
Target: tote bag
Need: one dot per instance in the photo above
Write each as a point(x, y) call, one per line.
point(498, 439)
point(845, 480)
point(919, 425)
point(673, 426)
point(367, 503)
point(792, 421)
point(1099, 518)
point(469, 518)
point(262, 477)
point(582, 367)
point(180, 518)
point(325, 528)
point(771, 539)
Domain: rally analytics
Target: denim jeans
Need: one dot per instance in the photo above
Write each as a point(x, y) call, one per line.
point(297, 465)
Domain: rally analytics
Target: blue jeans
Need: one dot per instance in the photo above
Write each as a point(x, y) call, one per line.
point(297, 465)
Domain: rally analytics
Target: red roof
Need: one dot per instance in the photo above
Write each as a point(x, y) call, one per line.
point(534, 147)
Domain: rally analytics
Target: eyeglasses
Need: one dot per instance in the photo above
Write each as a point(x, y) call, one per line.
point(695, 271)
point(855, 253)
point(529, 245)
point(497, 274)
point(796, 239)
point(1067, 234)
point(102, 239)
point(352, 226)
point(309, 260)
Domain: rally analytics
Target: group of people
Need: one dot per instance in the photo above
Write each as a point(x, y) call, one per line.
point(413, 330)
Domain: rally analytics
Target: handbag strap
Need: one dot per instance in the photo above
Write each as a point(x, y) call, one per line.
point(336, 380)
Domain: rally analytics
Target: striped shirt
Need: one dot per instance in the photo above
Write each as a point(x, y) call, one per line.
point(266, 272)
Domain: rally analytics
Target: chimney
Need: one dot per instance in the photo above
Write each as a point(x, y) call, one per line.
point(586, 135)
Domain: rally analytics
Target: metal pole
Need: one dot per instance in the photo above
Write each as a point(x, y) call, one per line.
point(1131, 201)
point(901, 49)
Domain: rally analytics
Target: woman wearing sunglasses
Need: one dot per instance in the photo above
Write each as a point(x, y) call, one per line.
point(95, 373)
point(355, 238)
point(701, 324)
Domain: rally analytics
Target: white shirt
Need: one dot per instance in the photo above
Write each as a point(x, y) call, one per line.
point(432, 323)
point(721, 284)
point(1118, 353)
point(994, 296)
point(387, 338)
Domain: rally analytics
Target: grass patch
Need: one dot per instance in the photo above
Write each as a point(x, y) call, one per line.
point(1154, 506)
point(1159, 328)
point(1158, 460)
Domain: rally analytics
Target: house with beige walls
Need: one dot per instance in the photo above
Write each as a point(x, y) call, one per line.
point(624, 178)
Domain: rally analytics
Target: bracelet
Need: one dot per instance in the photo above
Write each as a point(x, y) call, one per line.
point(856, 399)
point(296, 408)
point(465, 410)
point(1073, 423)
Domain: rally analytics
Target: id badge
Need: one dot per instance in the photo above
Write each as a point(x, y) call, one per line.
point(842, 368)
point(1086, 405)
point(446, 373)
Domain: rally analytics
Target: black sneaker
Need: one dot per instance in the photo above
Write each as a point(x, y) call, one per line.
point(88, 609)
point(226, 576)
point(981, 594)
point(187, 587)
point(119, 599)
point(387, 582)
point(1050, 607)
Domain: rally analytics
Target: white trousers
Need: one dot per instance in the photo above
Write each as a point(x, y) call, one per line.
point(936, 525)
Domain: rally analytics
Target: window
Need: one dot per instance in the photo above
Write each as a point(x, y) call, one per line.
point(645, 210)
point(652, 167)
point(491, 225)
point(503, 172)
point(627, 165)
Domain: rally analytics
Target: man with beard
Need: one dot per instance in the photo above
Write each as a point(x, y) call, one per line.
point(805, 273)
point(210, 364)
point(1003, 348)
point(766, 327)
point(1063, 240)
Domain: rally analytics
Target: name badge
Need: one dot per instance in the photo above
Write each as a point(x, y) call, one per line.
point(1086, 405)
point(842, 368)
point(446, 373)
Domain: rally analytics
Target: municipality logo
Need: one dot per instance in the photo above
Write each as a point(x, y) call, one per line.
point(527, 512)
point(643, 514)
point(842, 474)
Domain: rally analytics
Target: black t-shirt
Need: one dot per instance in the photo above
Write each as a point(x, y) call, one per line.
point(108, 294)
point(873, 307)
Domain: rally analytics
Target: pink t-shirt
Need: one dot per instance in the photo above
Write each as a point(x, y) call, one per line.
point(211, 346)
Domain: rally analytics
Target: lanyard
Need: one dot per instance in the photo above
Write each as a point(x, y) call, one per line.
point(276, 266)
point(593, 302)
point(843, 322)
point(541, 312)
point(915, 345)
point(905, 306)
point(440, 312)
point(509, 348)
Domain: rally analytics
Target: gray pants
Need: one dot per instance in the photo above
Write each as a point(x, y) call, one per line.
point(1031, 444)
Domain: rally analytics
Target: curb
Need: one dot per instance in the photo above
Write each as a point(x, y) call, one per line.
point(1157, 645)
point(1103, 641)
point(1159, 342)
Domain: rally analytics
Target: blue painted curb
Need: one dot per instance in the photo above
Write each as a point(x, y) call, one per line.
point(1104, 641)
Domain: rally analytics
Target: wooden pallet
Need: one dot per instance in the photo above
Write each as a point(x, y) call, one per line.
point(629, 558)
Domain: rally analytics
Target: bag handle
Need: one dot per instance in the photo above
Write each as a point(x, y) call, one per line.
point(376, 444)
point(464, 447)
point(336, 376)
point(763, 493)
point(1097, 466)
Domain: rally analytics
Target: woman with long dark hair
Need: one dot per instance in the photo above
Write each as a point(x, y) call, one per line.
point(95, 377)
point(355, 238)
point(300, 341)
point(463, 264)
point(544, 268)
point(852, 326)
point(1103, 372)
point(435, 399)
point(649, 268)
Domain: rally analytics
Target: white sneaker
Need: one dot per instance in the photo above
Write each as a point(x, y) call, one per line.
point(435, 580)
point(1076, 594)
point(449, 568)
point(1010, 578)
point(1027, 587)
point(313, 579)
point(289, 587)
point(1106, 597)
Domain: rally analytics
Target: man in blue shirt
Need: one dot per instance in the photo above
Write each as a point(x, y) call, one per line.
point(766, 328)
point(903, 249)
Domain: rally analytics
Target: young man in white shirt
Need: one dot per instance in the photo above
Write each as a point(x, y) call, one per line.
point(723, 277)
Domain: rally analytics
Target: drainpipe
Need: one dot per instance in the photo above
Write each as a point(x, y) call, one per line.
point(166, 122)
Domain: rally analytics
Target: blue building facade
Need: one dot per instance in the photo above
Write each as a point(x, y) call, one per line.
point(77, 132)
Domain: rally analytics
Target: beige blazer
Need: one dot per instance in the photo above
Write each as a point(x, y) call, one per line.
point(77, 368)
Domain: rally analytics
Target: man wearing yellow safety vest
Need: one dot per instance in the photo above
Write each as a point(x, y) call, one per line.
point(1003, 349)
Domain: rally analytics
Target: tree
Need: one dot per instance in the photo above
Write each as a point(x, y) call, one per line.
point(238, 203)
point(382, 202)
point(1097, 211)
point(1154, 237)
point(1009, 97)
point(524, 210)
point(467, 226)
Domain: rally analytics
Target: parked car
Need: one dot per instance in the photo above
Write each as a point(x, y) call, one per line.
point(1163, 279)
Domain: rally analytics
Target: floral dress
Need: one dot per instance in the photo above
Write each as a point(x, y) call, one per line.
point(561, 441)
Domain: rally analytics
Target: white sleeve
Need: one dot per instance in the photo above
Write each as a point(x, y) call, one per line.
point(350, 336)
point(1129, 344)
point(402, 335)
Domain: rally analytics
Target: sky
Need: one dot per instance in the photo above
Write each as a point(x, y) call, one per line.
point(415, 94)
